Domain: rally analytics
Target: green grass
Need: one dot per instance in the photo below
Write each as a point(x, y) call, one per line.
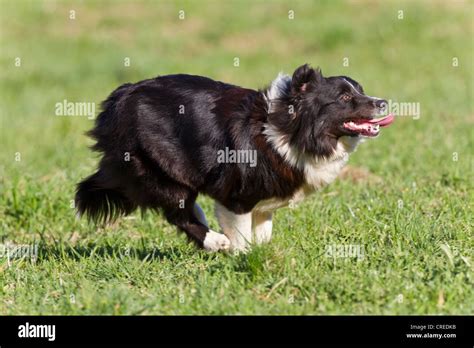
point(414, 223)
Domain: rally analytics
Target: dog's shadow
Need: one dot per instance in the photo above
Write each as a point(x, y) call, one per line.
point(91, 250)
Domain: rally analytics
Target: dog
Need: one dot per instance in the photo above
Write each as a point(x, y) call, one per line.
point(167, 139)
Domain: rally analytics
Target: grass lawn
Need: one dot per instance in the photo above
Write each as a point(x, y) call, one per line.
point(406, 204)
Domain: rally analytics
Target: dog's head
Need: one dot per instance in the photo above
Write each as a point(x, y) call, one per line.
point(320, 110)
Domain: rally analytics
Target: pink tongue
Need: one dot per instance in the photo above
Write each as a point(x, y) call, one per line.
point(383, 121)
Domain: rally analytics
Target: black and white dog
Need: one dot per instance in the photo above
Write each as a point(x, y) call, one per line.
point(167, 139)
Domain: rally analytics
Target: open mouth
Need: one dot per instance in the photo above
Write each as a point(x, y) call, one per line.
point(369, 127)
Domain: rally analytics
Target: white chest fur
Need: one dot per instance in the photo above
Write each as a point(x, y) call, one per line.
point(321, 172)
point(317, 172)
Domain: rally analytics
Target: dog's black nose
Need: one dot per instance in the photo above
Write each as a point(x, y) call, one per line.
point(381, 104)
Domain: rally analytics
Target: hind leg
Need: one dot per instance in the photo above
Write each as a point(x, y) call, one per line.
point(178, 203)
point(213, 241)
point(191, 220)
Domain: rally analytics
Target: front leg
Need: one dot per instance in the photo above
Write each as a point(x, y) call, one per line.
point(262, 226)
point(237, 227)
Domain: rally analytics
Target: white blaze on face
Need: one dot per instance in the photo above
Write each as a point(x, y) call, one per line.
point(352, 87)
point(358, 93)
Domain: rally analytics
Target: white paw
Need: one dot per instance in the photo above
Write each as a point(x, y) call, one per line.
point(216, 241)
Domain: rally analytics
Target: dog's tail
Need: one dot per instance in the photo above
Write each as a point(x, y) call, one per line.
point(99, 203)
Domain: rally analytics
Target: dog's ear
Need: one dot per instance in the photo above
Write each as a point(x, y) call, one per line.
point(304, 75)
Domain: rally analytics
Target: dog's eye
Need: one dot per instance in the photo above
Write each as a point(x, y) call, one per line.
point(346, 97)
